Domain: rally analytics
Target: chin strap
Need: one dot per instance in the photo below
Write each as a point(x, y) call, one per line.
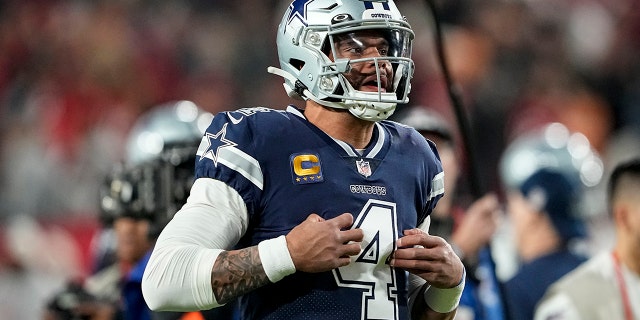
point(357, 109)
point(300, 89)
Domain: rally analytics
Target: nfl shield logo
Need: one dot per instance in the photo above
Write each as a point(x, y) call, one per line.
point(363, 168)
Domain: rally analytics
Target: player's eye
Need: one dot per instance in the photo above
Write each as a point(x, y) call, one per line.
point(355, 51)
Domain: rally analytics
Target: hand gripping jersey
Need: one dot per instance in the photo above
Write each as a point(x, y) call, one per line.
point(285, 168)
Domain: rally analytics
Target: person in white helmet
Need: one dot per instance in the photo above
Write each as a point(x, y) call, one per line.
point(546, 182)
point(320, 212)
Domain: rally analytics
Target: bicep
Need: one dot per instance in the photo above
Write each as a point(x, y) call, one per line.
point(179, 271)
point(214, 217)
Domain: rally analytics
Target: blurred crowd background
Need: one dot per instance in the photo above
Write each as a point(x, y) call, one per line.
point(75, 74)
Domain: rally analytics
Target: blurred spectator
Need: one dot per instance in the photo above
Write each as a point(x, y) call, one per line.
point(34, 259)
point(546, 178)
point(608, 285)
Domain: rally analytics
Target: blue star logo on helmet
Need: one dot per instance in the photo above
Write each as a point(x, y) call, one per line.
point(369, 4)
point(298, 9)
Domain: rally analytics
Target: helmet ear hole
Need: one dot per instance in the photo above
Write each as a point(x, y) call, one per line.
point(298, 64)
point(326, 48)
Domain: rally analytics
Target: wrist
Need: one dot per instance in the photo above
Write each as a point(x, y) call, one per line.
point(276, 259)
point(444, 300)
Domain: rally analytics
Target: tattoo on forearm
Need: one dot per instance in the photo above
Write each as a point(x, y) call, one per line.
point(236, 273)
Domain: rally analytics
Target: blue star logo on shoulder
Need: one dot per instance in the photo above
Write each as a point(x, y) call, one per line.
point(216, 142)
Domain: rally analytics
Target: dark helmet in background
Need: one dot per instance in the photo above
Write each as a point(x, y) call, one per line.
point(154, 180)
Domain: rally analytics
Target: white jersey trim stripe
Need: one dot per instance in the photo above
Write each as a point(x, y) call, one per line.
point(295, 111)
point(235, 159)
point(347, 148)
point(437, 185)
point(378, 146)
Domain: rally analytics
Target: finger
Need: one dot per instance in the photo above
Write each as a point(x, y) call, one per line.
point(429, 241)
point(420, 239)
point(315, 218)
point(343, 261)
point(351, 249)
point(343, 221)
point(412, 237)
point(352, 235)
point(414, 266)
point(414, 231)
point(416, 254)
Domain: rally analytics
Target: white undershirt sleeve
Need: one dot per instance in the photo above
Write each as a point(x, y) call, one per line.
point(178, 275)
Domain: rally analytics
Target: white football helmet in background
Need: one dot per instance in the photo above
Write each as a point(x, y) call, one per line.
point(172, 123)
point(553, 147)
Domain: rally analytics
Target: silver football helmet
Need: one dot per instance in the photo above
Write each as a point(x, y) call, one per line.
point(555, 148)
point(314, 68)
point(555, 170)
point(552, 147)
point(166, 125)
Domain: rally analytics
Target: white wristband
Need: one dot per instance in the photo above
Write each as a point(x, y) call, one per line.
point(444, 300)
point(276, 259)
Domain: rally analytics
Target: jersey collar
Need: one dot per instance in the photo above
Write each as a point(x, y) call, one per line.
point(373, 149)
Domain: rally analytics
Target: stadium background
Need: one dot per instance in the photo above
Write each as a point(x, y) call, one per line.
point(75, 74)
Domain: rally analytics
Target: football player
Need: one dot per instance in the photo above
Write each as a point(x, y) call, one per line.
point(318, 212)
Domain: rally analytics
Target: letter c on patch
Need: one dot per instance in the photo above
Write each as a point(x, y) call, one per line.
point(306, 164)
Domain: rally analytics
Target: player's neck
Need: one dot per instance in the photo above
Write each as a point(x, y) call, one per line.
point(340, 124)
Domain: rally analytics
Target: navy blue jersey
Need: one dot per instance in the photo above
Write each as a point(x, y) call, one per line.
point(525, 289)
point(285, 168)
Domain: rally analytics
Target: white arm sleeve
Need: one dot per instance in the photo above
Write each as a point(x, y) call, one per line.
point(178, 275)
